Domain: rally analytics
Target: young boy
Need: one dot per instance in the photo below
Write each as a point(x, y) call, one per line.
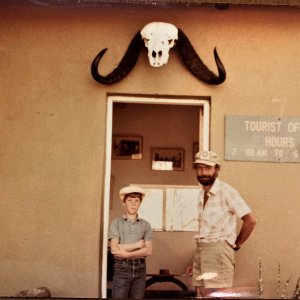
point(130, 242)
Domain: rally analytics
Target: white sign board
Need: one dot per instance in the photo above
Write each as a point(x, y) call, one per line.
point(262, 138)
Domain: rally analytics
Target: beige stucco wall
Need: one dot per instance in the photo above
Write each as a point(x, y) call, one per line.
point(53, 132)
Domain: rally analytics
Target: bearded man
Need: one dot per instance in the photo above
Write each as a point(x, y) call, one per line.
point(217, 240)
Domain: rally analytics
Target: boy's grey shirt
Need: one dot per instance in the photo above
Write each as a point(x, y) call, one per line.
point(126, 231)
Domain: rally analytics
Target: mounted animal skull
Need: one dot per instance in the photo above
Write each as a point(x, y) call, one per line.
point(159, 38)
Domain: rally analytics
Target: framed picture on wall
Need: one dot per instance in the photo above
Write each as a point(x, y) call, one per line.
point(167, 159)
point(195, 149)
point(127, 147)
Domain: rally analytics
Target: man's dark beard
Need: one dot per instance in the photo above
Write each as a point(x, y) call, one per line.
point(207, 180)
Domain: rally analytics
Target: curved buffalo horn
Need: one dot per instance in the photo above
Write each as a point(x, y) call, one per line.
point(196, 65)
point(125, 66)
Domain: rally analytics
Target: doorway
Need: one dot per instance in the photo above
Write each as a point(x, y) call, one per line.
point(158, 135)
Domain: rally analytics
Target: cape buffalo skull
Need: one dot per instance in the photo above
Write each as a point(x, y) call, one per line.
point(159, 38)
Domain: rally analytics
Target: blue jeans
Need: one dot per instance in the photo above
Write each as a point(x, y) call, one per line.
point(129, 279)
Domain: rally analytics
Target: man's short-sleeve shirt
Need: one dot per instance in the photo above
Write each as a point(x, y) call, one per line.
point(126, 231)
point(217, 220)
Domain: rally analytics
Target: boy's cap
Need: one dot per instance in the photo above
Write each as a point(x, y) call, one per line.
point(130, 190)
point(209, 158)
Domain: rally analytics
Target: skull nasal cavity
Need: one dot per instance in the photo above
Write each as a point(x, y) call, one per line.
point(155, 53)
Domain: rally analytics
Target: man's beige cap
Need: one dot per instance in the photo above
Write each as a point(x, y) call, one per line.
point(130, 190)
point(209, 158)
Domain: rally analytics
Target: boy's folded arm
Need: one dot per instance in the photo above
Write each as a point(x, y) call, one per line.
point(134, 246)
point(114, 245)
point(145, 251)
point(148, 244)
point(123, 251)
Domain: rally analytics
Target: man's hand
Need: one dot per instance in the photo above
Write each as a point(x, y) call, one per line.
point(189, 271)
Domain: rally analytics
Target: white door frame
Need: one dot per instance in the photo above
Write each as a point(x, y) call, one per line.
point(203, 141)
